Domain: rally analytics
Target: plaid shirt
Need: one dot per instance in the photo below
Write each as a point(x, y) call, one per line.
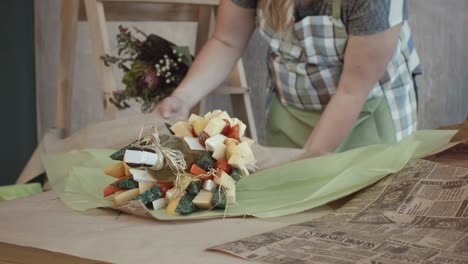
point(305, 69)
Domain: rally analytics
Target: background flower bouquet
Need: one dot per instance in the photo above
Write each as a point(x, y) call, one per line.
point(153, 67)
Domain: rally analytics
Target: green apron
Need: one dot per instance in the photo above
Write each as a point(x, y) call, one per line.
point(305, 69)
point(291, 127)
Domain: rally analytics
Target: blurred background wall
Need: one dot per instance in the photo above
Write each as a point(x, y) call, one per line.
point(18, 104)
point(440, 28)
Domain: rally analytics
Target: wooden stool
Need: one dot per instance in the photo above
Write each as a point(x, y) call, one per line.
point(201, 11)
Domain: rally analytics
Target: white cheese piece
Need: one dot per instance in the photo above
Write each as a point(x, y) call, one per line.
point(242, 126)
point(159, 203)
point(231, 195)
point(214, 114)
point(182, 129)
point(213, 141)
point(215, 126)
point(248, 140)
point(193, 143)
point(199, 125)
point(141, 176)
point(194, 117)
point(224, 115)
point(209, 185)
point(140, 157)
point(237, 161)
point(207, 115)
point(204, 199)
point(219, 152)
point(144, 186)
point(225, 180)
point(246, 152)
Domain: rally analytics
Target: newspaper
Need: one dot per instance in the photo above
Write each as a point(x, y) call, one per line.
point(419, 215)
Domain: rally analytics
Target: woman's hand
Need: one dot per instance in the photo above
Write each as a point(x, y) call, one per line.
point(173, 106)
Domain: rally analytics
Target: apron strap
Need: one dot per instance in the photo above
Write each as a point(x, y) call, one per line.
point(336, 7)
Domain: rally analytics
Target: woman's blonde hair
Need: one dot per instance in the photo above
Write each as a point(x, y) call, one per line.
point(279, 15)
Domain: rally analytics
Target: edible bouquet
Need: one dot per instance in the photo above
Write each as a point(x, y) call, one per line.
point(194, 169)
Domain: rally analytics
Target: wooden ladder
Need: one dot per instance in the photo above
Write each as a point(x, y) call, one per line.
point(203, 12)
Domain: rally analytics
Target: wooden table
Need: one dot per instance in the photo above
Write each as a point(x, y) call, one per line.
point(43, 222)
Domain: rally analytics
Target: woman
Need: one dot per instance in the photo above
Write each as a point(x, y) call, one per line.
point(341, 70)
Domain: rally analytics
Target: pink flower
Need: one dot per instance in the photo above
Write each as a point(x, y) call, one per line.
point(150, 79)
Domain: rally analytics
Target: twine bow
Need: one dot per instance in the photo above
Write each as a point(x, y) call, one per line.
point(173, 158)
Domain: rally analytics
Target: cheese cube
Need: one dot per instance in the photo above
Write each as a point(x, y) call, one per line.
point(141, 176)
point(182, 129)
point(207, 115)
point(237, 161)
point(144, 186)
point(213, 141)
point(246, 152)
point(231, 195)
point(199, 125)
point(194, 117)
point(219, 152)
point(242, 129)
point(232, 150)
point(245, 171)
point(242, 126)
point(194, 143)
point(209, 185)
point(140, 157)
point(204, 199)
point(225, 180)
point(159, 203)
point(172, 205)
point(174, 193)
point(224, 115)
point(185, 180)
point(248, 140)
point(125, 197)
point(117, 170)
point(215, 126)
point(126, 169)
point(230, 141)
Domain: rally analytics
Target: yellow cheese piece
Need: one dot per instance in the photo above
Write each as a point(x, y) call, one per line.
point(117, 170)
point(225, 180)
point(193, 118)
point(208, 115)
point(229, 141)
point(174, 193)
point(219, 152)
point(182, 129)
point(232, 150)
point(224, 115)
point(237, 161)
point(145, 186)
point(185, 181)
point(172, 205)
point(246, 152)
point(127, 169)
point(215, 126)
point(199, 125)
point(245, 171)
point(125, 197)
point(204, 199)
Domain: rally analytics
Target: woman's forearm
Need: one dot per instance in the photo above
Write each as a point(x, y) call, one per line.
point(211, 67)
